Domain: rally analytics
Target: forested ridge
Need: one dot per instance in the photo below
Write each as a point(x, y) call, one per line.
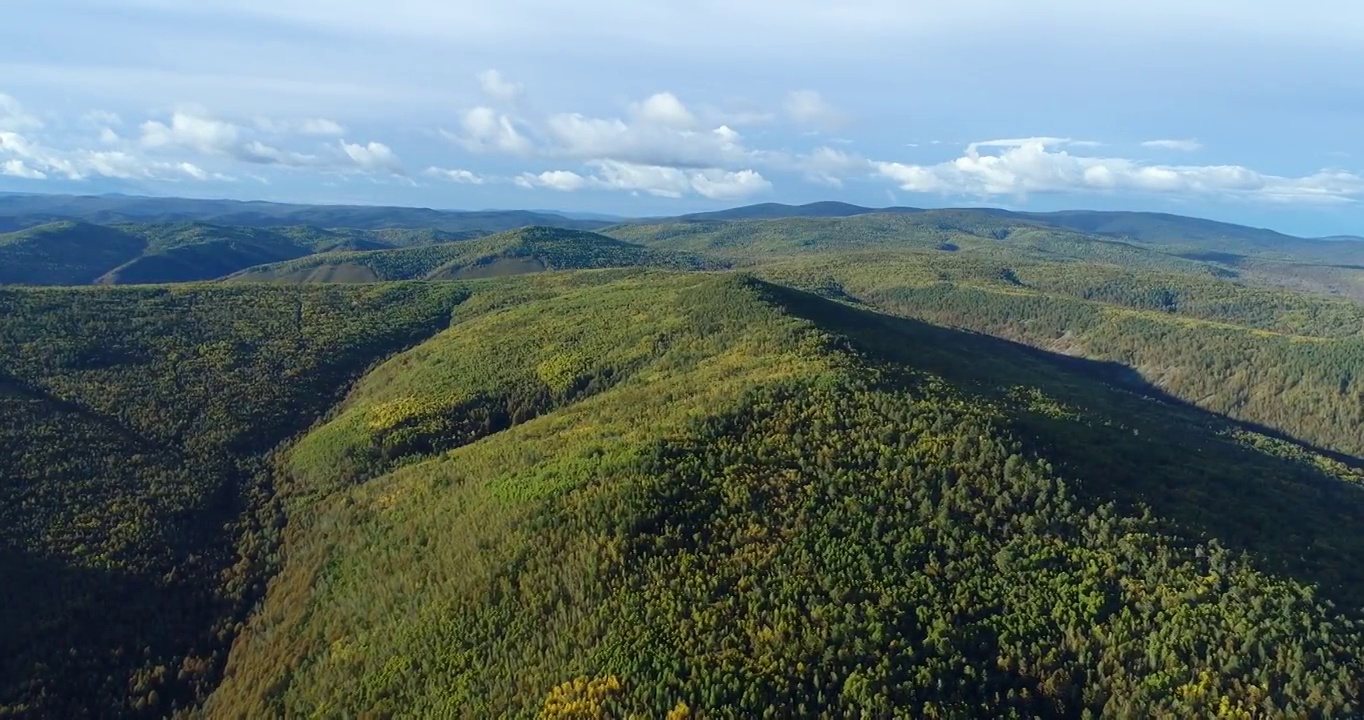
point(758, 503)
point(137, 520)
point(923, 463)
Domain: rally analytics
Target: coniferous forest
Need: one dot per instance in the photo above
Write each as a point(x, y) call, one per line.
point(946, 464)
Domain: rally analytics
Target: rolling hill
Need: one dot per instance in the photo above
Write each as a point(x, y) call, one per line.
point(65, 253)
point(750, 500)
point(515, 252)
point(1197, 237)
point(918, 463)
point(22, 211)
point(78, 253)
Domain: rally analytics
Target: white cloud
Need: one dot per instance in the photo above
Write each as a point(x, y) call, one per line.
point(1041, 165)
point(256, 151)
point(17, 168)
point(465, 177)
point(14, 118)
point(32, 160)
point(36, 158)
point(579, 137)
point(484, 129)
point(109, 137)
point(308, 126)
point(807, 107)
point(193, 171)
point(115, 164)
point(724, 185)
point(497, 87)
point(660, 181)
point(666, 110)
point(372, 156)
point(1188, 145)
point(193, 131)
point(561, 180)
point(828, 166)
point(654, 179)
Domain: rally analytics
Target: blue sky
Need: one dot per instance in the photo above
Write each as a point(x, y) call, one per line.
point(1248, 111)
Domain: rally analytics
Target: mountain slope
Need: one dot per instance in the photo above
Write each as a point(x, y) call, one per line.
point(21, 211)
point(780, 210)
point(748, 500)
point(138, 523)
point(512, 253)
point(1190, 235)
point(198, 251)
point(72, 253)
point(64, 253)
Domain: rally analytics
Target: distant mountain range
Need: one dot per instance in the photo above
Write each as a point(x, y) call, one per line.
point(18, 212)
point(1191, 237)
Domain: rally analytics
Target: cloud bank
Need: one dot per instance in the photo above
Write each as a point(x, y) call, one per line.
point(658, 145)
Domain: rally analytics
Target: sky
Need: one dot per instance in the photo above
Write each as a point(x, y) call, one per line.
point(1249, 111)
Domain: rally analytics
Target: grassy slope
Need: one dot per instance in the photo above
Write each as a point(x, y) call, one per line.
point(509, 253)
point(136, 520)
point(749, 501)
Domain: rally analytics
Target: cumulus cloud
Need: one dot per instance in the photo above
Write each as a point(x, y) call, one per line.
point(14, 118)
point(658, 130)
point(193, 171)
point(464, 177)
point(657, 180)
point(17, 168)
point(1188, 145)
point(34, 161)
point(497, 87)
point(828, 166)
point(578, 137)
point(561, 180)
point(1042, 165)
point(372, 156)
point(807, 107)
point(191, 131)
point(196, 131)
point(666, 110)
point(258, 152)
point(484, 129)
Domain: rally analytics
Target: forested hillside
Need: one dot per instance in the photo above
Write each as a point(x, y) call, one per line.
point(1225, 337)
point(78, 253)
point(510, 253)
point(753, 502)
point(23, 211)
point(954, 463)
point(137, 514)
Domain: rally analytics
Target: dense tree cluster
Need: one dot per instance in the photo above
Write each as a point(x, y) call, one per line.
point(792, 508)
point(629, 490)
point(136, 519)
point(538, 248)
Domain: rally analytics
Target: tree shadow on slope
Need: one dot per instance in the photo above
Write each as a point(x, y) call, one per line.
point(136, 636)
point(1127, 441)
